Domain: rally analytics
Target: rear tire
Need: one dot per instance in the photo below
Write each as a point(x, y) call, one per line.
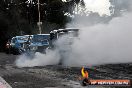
point(85, 82)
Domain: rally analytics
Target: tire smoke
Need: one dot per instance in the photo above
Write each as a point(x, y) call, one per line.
point(103, 43)
point(98, 44)
point(39, 59)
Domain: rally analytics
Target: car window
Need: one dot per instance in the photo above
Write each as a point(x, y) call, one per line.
point(39, 38)
point(13, 40)
point(23, 38)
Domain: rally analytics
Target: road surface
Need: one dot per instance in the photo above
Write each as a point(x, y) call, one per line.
point(57, 76)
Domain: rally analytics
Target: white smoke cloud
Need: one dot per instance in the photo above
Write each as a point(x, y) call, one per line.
point(50, 58)
point(98, 6)
point(103, 43)
point(98, 44)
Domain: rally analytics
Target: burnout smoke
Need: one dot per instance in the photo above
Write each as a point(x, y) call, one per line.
point(51, 58)
point(96, 44)
point(103, 43)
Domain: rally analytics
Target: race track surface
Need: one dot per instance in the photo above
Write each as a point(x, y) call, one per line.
point(57, 76)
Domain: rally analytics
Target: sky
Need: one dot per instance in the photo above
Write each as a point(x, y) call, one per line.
point(97, 6)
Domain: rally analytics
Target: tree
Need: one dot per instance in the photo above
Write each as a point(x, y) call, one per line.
point(19, 17)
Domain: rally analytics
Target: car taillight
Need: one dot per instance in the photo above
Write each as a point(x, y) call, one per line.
point(7, 45)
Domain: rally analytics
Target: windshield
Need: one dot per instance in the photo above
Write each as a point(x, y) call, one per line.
point(40, 39)
point(22, 38)
point(13, 40)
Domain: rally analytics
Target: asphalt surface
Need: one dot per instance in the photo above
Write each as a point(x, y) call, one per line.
point(57, 76)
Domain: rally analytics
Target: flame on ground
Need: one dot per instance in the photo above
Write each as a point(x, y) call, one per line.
point(84, 73)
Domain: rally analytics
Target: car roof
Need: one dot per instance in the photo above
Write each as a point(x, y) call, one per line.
point(67, 29)
point(42, 34)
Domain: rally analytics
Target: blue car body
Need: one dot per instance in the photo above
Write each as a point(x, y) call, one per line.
point(17, 44)
point(40, 42)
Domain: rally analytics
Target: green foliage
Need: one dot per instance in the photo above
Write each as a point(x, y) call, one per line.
point(20, 17)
